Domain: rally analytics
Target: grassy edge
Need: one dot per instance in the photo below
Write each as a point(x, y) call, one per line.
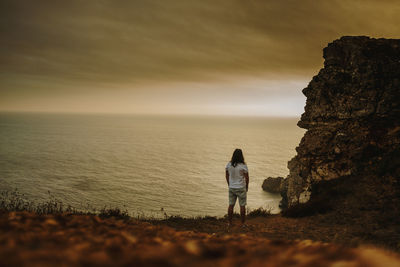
point(15, 201)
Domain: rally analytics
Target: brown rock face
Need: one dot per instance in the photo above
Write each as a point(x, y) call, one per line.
point(272, 184)
point(352, 117)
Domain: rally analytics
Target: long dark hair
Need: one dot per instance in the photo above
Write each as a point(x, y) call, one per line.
point(237, 157)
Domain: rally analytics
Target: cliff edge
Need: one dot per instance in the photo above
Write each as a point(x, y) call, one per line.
point(349, 158)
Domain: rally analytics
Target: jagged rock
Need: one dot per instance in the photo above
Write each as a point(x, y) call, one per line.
point(283, 191)
point(352, 117)
point(272, 184)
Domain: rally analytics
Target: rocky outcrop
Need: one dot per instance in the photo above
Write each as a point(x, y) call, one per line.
point(272, 184)
point(352, 117)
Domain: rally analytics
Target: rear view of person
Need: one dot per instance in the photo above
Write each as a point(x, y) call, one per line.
point(237, 177)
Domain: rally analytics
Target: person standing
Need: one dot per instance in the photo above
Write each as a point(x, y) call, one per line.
point(237, 177)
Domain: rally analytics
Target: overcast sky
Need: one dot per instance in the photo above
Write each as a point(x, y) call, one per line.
point(250, 57)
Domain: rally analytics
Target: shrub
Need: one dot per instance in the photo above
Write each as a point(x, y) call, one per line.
point(114, 212)
point(260, 212)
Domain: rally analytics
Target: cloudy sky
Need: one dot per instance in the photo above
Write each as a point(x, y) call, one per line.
point(240, 57)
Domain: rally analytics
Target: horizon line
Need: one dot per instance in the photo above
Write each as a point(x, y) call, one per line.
point(154, 114)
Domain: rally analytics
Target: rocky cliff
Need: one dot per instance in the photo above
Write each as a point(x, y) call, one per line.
point(350, 155)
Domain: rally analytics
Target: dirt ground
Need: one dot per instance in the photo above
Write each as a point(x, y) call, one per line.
point(28, 239)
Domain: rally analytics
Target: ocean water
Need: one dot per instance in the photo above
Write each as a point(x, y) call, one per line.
point(142, 163)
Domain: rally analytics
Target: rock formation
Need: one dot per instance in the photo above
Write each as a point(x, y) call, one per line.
point(272, 184)
point(351, 150)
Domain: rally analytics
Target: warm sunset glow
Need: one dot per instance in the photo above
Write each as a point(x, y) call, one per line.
point(195, 57)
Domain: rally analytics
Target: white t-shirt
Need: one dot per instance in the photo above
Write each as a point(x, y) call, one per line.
point(236, 175)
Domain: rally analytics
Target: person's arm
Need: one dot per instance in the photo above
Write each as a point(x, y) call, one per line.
point(246, 176)
point(227, 176)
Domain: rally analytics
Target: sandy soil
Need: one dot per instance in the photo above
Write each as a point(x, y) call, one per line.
point(28, 239)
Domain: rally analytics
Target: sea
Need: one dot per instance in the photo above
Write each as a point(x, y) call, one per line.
point(149, 165)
